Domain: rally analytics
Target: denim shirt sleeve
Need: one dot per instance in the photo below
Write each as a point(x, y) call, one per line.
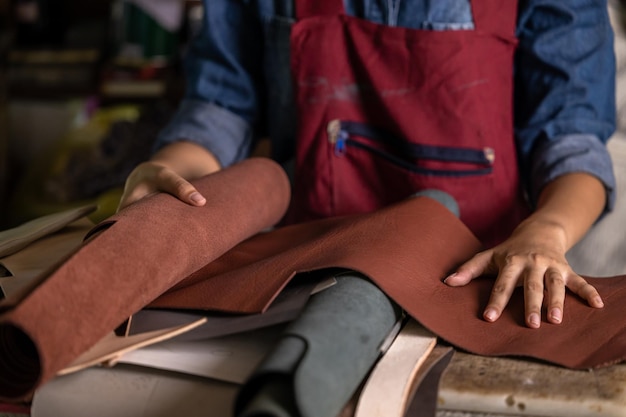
point(223, 76)
point(564, 92)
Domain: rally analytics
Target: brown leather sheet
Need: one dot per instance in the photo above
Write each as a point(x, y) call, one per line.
point(587, 338)
point(407, 249)
point(129, 260)
point(399, 247)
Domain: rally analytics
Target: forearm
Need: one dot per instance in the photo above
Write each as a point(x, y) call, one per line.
point(190, 160)
point(570, 204)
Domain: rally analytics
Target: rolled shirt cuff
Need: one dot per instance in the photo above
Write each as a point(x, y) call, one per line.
point(573, 153)
point(223, 133)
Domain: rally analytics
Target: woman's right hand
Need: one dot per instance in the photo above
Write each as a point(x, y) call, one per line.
point(170, 170)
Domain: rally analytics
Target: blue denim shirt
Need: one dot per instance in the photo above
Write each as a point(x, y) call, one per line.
point(239, 86)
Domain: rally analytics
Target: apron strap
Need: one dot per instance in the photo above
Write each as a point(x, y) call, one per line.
point(311, 8)
point(495, 16)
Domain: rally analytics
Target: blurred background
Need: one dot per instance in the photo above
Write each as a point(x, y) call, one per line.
point(84, 86)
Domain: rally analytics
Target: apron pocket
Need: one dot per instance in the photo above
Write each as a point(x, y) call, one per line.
point(373, 168)
point(413, 157)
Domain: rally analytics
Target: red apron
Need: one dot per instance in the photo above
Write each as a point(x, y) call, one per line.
point(385, 112)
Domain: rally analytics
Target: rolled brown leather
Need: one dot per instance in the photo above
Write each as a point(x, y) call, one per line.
point(128, 261)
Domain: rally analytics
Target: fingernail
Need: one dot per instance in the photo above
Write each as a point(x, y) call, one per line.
point(491, 314)
point(449, 276)
point(196, 197)
point(533, 320)
point(556, 315)
point(598, 301)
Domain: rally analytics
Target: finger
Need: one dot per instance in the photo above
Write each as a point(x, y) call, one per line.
point(578, 285)
point(555, 285)
point(470, 270)
point(501, 292)
point(180, 188)
point(533, 297)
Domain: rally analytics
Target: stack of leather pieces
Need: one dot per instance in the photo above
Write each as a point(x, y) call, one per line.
point(126, 262)
point(163, 253)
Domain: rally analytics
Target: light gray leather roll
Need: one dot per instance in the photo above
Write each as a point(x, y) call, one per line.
point(324, 355)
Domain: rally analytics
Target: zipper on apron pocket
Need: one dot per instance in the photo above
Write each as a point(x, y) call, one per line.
point(344, 134)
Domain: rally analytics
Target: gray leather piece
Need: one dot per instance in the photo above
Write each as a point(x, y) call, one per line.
point(324, 355)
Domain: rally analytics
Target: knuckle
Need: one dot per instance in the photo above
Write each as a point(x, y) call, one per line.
point(587, 289)
point(499, 288)
point(540, 259)
point(512, 259)
point(534, 286)
point(554, 279)
point(578, 284)
point(180, 185)
point(161, 174)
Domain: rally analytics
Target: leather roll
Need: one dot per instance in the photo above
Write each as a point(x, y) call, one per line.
point(126, 262)
point(321, 359)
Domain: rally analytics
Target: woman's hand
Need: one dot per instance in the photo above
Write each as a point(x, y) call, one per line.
point(170, 171)
point(151, 177)
point(534, 255)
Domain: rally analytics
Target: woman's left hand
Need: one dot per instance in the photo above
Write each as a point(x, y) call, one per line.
point(533, 257)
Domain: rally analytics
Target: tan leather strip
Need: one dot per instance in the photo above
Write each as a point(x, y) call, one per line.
point(425, 397)
point(27, 266)
point(388, 388)
point(12, 240)
point(111, 347)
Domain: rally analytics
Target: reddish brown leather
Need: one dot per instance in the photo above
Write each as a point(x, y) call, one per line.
point(147, 248)
point(587, 338)
point(407, 249)
point(399, 247)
